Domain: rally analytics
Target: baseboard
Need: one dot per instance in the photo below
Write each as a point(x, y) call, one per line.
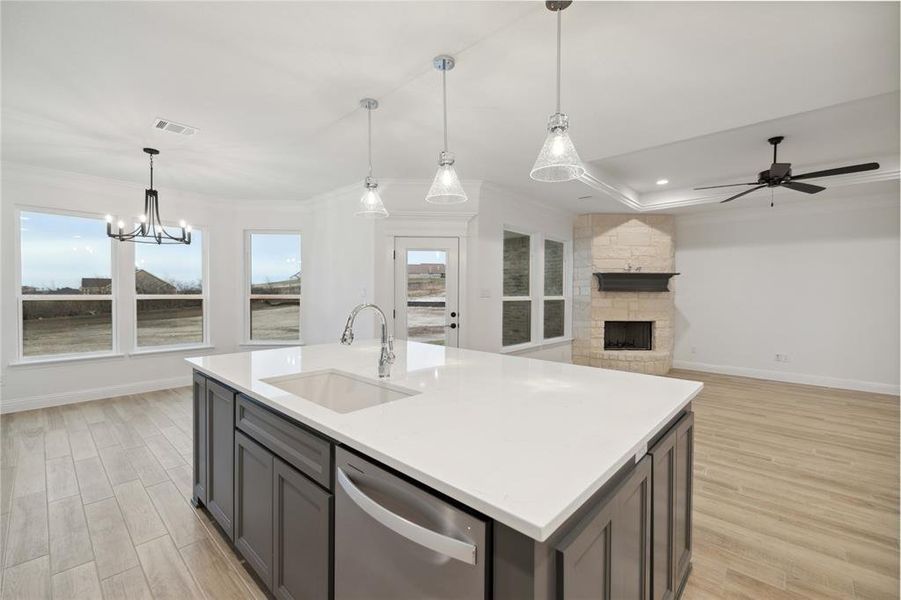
point(789, 377)
point(48, 400)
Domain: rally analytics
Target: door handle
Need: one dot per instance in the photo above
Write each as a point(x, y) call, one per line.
point(452, 325)
point(434, 541)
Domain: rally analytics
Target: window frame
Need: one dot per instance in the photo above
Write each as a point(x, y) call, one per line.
point(536, 290)
point(530, 298)
point(203, 297)
point(248, 296)
point(21, 358)
point(566, 289)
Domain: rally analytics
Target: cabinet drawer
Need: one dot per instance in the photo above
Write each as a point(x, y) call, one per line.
point(298, 447)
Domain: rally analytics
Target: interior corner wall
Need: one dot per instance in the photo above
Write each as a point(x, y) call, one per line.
point(815, 280)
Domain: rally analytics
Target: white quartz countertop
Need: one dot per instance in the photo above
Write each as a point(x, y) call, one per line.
point(524, 441)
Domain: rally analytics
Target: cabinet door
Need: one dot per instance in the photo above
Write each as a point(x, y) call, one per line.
point(253, 505)
point(301, 535)
point(663, 490)
point(199, 441)
point(682, 504)
point(220, 416)
point(607, 555)
point(672, 483)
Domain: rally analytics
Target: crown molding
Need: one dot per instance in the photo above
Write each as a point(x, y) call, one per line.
point(648, 202)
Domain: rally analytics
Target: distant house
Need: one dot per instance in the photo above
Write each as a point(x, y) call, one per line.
point(426, 269)
point(148, 283)
point(96, 285)
point(290, 285)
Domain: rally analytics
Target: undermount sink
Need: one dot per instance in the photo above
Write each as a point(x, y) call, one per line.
point(339, 391)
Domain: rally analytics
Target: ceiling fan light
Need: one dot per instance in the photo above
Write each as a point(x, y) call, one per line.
point(558, 159)
point(446, 187)
point(371, 206)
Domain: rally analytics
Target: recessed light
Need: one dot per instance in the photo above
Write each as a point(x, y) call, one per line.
point(662, 181)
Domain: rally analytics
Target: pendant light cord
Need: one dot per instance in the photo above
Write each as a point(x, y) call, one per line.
point(559, 16)
point(444, 92)
point(369, 119)
point(151, 171)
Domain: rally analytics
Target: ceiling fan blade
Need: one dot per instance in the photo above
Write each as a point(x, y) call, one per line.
point(710, 187)
point(780, 170)
point(838, 171)
point(742, 194)
point(803, 187)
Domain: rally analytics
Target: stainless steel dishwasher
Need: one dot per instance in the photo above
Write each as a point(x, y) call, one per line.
point(394, 540)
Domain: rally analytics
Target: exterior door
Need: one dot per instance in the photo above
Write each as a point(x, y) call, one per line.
point(426, 290)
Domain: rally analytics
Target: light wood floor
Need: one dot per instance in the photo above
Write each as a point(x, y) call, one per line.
point(796, 491)
point(95, 503)
point(796, 496)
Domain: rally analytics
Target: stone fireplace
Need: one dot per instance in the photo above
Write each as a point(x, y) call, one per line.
point(626, 330)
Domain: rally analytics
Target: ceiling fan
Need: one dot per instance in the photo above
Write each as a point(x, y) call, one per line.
point(780, 175)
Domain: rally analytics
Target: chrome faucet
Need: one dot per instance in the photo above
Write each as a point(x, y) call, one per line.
point(386, 358)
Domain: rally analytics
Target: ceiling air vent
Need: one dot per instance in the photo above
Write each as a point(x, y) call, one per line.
point(172, 127)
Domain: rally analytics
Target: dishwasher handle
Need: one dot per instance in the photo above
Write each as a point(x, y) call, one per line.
point(442, 544)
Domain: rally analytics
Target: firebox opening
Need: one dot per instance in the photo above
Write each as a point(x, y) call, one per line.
point(628, 335)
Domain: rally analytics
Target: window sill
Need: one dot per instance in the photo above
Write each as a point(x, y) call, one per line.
point(56, 360)
point(535, 346)
point(270, 344)
point(170, 349)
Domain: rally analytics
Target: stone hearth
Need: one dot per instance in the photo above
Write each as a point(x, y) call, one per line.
point(604, 243)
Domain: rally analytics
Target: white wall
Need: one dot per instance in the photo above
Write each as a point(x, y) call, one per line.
point(331, 286)
point(816, 279)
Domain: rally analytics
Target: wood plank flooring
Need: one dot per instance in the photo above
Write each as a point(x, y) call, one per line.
point(95, 503)
point(796, 496)
point(796, 491)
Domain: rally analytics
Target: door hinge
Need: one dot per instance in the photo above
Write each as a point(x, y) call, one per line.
point(393, 313)
point(394, 255)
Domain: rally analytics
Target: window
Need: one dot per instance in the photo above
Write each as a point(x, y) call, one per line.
point(517, 300)
point(169, 293)
point(273, 287)
point(554, 302)
point(535, 293)
point(66, 291)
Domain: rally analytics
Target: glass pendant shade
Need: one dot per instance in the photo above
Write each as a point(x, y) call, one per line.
point(371, 206)
point(558, 159)
point(446, 187)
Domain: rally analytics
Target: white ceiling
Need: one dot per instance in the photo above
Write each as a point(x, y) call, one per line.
point(273, 88)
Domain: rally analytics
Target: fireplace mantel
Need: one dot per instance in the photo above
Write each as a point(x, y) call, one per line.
point(633, 281)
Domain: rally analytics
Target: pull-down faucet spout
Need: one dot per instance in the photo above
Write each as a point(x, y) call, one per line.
point(386, 358)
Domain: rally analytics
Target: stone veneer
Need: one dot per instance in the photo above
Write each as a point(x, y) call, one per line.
point(612, 242)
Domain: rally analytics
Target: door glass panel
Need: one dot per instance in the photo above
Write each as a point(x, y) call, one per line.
point(426, 296)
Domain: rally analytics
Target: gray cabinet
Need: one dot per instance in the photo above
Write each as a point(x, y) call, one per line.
point(305, 451)
point(671, 520)
point(607, 554)
point(220, 465)
point(253, 505)
point(199, 440)
point(302, 541)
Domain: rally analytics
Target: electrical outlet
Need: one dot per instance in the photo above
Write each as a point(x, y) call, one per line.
point(782, 358)
point(694, 350)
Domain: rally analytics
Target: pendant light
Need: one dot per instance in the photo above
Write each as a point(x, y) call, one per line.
point(446, 188)
point(371, 206)
point(150, 230)
point(558, 159)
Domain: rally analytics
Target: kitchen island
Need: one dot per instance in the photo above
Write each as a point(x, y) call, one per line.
point(561, 481)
